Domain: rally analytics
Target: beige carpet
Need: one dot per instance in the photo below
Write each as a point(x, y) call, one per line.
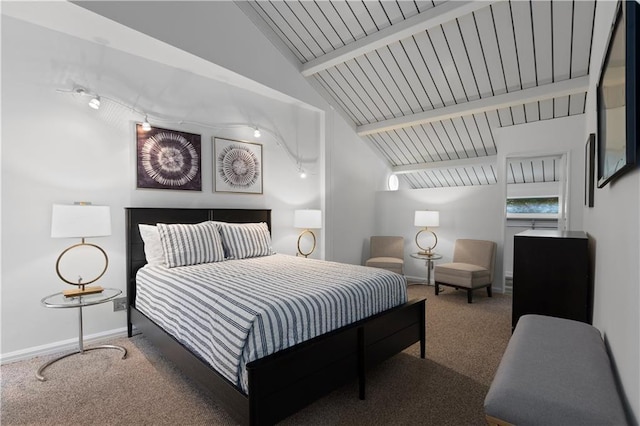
point(464, 346)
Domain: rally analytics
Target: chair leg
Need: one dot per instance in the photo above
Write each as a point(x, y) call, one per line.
point(489, 292)
point(469, 296)
point(437, 287)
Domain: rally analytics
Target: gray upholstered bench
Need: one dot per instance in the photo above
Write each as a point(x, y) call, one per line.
point(554, 372)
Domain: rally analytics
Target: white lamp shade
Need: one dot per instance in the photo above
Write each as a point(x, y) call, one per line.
point(307, 219)
point(80, 221)
point(427, 218)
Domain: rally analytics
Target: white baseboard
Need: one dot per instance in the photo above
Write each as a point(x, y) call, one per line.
point(416, 280)
point(61, 346)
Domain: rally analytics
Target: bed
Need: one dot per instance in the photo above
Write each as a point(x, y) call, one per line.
point(281, 383)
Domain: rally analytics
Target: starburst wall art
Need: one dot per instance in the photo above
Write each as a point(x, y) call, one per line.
point(238, 166)
point(168, 159)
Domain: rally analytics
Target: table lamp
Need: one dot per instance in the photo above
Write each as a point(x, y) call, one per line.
point(307, 219)
point(425, 219)
point(81, 220)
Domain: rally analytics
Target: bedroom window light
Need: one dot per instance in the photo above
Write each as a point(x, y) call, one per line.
point(393, 183)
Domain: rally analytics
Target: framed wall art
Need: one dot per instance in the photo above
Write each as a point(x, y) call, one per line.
point(238, 166)
point(589, 169)
point(618, 97)
point(168, 159)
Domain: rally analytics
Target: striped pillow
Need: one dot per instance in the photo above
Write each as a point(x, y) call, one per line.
point(185, 245)
point(243, 240)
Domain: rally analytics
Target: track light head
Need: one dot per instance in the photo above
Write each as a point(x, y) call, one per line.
point(303, 174)
point(95, 102)
point(257, 133)
point(146, 126)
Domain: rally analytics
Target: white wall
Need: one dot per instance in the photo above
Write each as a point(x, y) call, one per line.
point(354, 172)
point(55, 149)
point(613, 224)
point(465, 212)
point(222, 34)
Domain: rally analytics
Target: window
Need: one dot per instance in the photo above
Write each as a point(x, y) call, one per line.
point(532, 207)
point(393, 183)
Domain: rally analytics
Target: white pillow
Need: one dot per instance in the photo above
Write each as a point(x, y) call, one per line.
point(186, 244)
point(243, 240)
point(152, 244)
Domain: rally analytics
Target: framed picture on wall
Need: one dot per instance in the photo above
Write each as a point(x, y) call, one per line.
point(238, 166)
point(618, 98)
point(168, 159)
point(589, 169)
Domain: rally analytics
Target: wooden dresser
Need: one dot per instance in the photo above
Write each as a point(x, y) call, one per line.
point(551, 275)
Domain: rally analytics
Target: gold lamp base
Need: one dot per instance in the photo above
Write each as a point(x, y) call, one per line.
point(82, 291)
point(313, 236)
point(426, 251)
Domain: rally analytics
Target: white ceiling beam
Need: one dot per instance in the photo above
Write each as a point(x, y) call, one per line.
point(520, 97)
point(443, 13)
point(447, 164)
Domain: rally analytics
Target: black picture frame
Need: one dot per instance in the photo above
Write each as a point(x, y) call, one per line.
point(617, 101)
point(589, 169)
point(168, 159)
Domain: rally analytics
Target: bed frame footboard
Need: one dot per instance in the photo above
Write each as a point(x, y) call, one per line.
point(283, 383)
point(300, 375)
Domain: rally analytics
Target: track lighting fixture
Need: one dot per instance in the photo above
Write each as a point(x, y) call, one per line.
point(146, 126)
point(95, 102)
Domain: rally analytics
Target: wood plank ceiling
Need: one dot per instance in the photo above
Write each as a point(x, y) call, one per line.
point(426, 82)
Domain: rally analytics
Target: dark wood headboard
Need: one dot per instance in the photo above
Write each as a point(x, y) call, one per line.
point(151, 216)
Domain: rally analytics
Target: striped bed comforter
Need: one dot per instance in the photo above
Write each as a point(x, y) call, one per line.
point(233, 312)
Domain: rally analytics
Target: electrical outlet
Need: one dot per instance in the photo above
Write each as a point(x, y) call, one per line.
point(119, 304)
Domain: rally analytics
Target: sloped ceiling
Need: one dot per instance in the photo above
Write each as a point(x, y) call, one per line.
point(426, 82)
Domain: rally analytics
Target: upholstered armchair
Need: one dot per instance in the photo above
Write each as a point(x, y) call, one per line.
point(387, 253)
point(472, 267)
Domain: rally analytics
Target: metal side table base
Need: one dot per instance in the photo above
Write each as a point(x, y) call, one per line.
point(40, 377)
point(58, 300)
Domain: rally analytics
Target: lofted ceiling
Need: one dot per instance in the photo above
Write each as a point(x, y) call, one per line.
point(425, 83)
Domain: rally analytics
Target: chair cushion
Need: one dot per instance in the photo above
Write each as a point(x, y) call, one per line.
point(391, 263)
point(462, 274)
point(476, 252)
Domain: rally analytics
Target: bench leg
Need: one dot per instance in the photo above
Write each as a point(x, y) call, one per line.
point(437, 288)
point(489, 292)
point(492, 421)
point(469, 296)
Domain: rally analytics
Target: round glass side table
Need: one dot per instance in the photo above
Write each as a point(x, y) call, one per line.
point(59, 300)
point(428, 258)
